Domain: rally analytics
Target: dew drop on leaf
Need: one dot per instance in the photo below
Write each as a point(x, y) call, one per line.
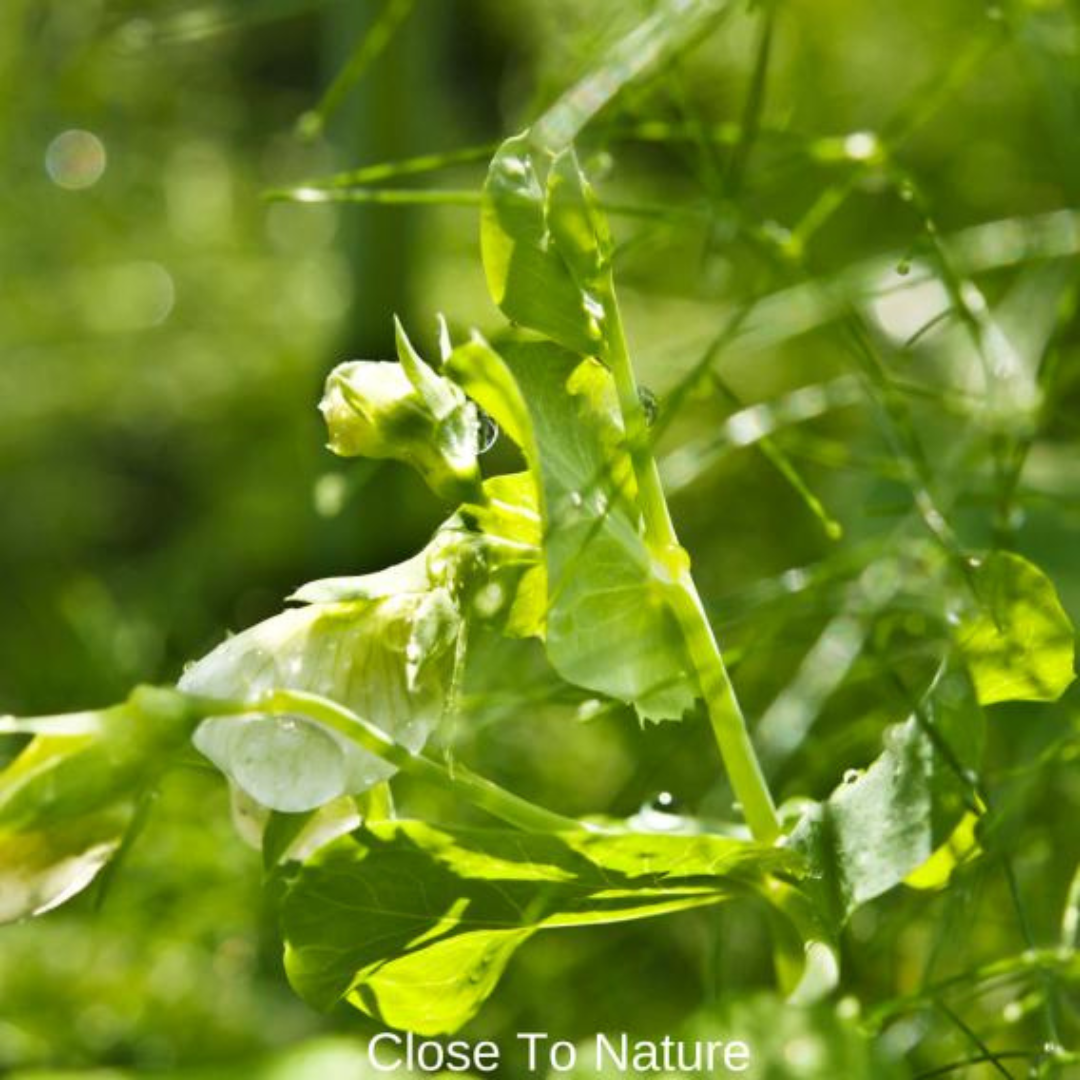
point(664, 803)
point(488, 431)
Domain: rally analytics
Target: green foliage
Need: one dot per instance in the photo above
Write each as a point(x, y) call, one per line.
point(525, 266)
point(608, 625)
point(68, 799)
point(880, 825)
point(831, 340)
point(434, 915)
point(1019, 643)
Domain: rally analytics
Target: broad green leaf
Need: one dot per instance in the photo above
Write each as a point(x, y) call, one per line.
point(389, 660)
point(608, 625)
point(882, 824)
point(407, 412)
point(67, 800)
point(1019, 645)
point(526, 273)
point(414, 925)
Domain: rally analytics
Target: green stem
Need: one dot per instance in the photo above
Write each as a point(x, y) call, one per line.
point(463, 783)
point(725, 715)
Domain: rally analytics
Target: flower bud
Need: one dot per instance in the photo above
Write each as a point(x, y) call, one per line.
point(407, 412)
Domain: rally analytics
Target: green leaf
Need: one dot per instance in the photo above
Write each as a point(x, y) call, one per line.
point(880, 825)
point(67, 800)
point(578, 225)
point(414, 925)
point(526, 273)
point(609, 628)
point(389, 660)
point(1020, 644)
point(960, 848)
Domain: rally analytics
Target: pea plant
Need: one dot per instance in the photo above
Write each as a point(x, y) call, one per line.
point(314, 714)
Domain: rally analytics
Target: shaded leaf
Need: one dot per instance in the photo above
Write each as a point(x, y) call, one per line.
point(415, 925)
point(880, 825)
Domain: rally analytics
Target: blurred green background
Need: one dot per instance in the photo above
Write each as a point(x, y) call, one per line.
point(165, 330)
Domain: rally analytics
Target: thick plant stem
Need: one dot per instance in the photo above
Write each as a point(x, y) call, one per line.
point(462, 783)
point(725, 715)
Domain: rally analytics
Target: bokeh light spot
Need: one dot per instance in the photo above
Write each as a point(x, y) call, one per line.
point(75, 160)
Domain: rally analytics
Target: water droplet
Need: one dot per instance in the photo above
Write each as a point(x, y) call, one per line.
point(489, 599)
point(862, 146)
point(903, 267)
point(593, 307)
point(650, 405)
point(487, 433)
point(662, 814)
point(663, 802)
point(851, 775)
point(794, 580)
point(590, 708)
point(576, 500)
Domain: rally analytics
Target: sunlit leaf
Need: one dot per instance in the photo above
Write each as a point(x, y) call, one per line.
point(415, 925)
point(608, 626)
point(1020, 644)
point(960, 848)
